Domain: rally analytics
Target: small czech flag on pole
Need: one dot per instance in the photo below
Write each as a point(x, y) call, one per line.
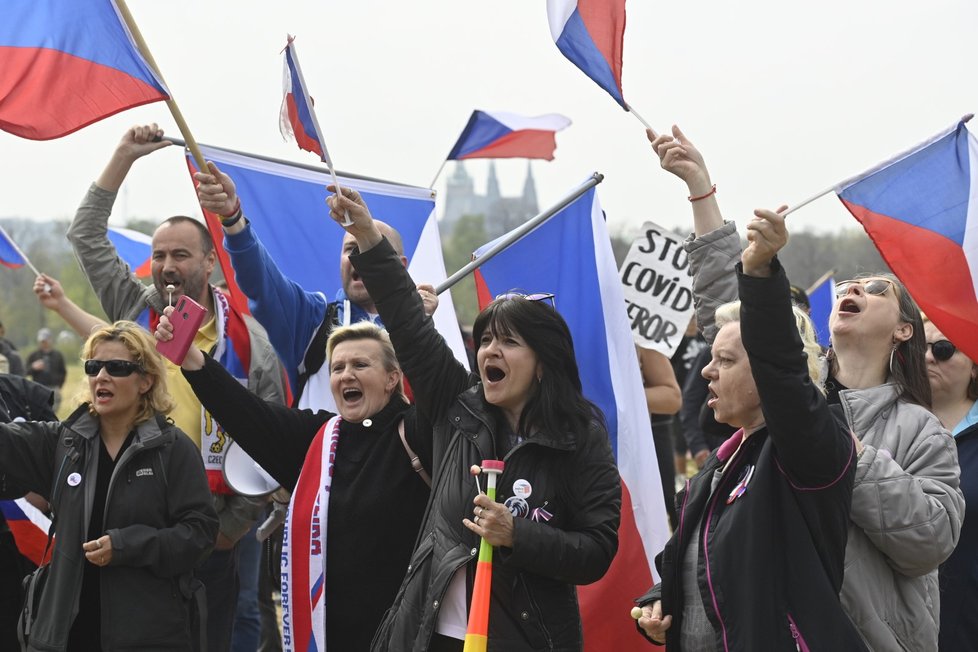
point(477, 633)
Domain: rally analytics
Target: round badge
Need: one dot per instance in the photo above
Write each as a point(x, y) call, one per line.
point(517, 506)
point(367, 423)
point(522, 489)
point(74, 479)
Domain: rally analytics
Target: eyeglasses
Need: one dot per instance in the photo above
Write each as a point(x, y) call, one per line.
point(545, 297)
point(116, 368)
point(942, 350)
point(874, 286)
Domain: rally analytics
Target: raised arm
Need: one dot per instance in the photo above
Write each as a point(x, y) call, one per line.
point(121, 294)
point(52, 296)
point(813, 447)
point(680, 157)
point(276, 436)
point(435, 375)
point(289, 314)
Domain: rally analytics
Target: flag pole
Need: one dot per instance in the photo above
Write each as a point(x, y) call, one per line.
point(315, 123)
point(516, 234)
point(137, 36)
point(875, 169)
point(19, 251)
point(628, 107)
point(437, 174)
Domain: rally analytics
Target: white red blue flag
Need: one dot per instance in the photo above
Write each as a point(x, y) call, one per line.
point(591, 33)
point(134, 248)
point(296, 120)
point(67, 65)
point(286, 205)
point(570, 256)
point(29, 527)
point(497, 134)
point(921, 210)
point(10, 255)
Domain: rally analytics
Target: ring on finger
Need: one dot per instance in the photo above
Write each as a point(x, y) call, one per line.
point(476, 520)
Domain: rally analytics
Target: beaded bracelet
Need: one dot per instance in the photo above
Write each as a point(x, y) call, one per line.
point(713, 191)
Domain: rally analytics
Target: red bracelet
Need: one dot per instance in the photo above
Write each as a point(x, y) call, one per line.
point(237, 207)
point(713, 191)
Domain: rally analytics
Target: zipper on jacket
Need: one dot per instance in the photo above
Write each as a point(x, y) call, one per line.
point(796, 635)
point(134, 447)
point(537, 611)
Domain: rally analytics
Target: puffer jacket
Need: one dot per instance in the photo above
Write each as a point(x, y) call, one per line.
point(907, 505)
point(907, 509)
point(566, 535)
point(158, 513)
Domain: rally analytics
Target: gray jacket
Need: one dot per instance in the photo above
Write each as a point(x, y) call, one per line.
point(158, 514)
point(123, 296)
point(907, 506)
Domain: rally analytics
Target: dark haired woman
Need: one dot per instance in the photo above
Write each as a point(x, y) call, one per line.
point(133, 513)
point(557, 523)
point(906, 502)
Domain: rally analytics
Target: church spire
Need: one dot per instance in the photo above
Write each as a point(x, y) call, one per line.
point(530, 192)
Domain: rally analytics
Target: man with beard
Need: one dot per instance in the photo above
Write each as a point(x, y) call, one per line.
point(184, 257)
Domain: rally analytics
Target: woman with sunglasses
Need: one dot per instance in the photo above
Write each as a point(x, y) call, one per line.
point(954, 386)
point(133, 513)
point(556, 523)
point(907, 506)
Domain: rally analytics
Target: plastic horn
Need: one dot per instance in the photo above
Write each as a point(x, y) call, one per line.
point(477, 633)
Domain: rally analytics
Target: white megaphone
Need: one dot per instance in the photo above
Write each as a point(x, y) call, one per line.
point(246, 477)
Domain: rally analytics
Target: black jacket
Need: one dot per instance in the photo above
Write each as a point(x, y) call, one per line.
point(158, 513)
point(771, 567)
point(376, 501)
point(572, 476)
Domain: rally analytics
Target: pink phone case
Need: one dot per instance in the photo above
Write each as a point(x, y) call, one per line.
point(186, 319)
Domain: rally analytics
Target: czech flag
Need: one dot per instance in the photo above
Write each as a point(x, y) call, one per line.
point(570, 256)
point(921, 210)
point(286, 206)
point(496, 134)
point(29, 527)
point(134, 248)
point(9, 253)
point(296, 119)
point(591, 33)
point(67, 64)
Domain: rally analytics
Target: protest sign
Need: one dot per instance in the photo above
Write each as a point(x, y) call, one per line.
point(658, 289)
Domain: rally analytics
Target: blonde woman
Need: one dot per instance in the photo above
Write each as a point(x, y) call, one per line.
point(133, 513)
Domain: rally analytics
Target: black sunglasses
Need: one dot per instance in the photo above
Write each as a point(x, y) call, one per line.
point(942, 350)
point(116, 368)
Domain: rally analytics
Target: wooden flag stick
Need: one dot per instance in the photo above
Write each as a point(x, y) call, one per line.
point(170, 103)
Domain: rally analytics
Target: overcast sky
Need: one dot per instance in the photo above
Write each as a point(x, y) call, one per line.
point(783, 98)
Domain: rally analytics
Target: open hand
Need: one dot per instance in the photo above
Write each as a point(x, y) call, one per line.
point(653, 623)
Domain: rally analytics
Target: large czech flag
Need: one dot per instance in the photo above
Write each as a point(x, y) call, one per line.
point(286, 205)
point(591, 33)
point(497, 134)
point(570, 255)
point(67, 64)
point(921, 210)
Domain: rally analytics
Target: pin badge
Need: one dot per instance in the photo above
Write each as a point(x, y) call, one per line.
point(522, 489)
point(74, 479)
point(741, 485)
point(518, 507)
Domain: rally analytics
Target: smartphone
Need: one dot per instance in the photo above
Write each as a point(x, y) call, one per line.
point(186, 319)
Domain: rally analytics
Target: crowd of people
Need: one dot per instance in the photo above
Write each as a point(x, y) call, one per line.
point(828, 510)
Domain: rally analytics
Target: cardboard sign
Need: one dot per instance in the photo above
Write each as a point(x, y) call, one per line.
point(658, 289)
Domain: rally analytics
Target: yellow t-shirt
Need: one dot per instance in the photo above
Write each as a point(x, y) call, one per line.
point(186, 414)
